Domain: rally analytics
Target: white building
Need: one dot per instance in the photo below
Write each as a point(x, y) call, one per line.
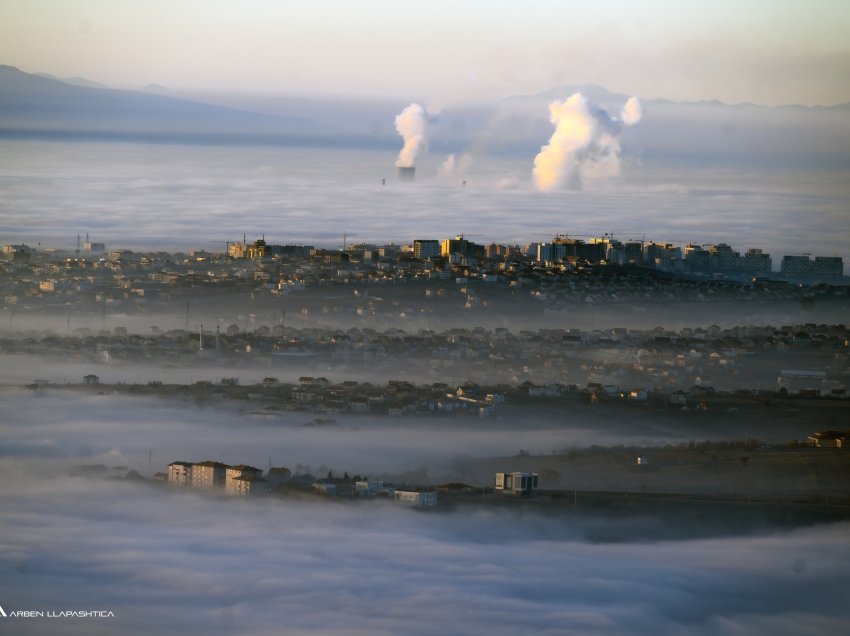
point(208, 475)
point(416, 498)
point(180, 473)
point(232, 475)
point(328, 490)
point(373, 488)
point(248, 485)
point(517, 483)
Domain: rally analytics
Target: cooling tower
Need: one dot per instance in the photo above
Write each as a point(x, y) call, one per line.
point(406, 173)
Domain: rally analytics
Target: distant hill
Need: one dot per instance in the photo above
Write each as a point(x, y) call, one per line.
point(154, 88)
point(74, 81)
point(39, 105)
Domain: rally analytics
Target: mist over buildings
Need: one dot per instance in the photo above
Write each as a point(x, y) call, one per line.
point(122, 545)
point(148, 172)
point(206, 564)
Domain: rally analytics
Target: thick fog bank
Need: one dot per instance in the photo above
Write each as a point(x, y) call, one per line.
point(146, 433)
point(163, 196)
point(173, 561)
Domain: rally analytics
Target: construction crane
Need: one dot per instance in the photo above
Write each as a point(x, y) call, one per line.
point(226, 245)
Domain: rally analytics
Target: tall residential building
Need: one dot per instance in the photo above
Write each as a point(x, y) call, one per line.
point(209, 474)
point(829, 265)
point(233, 482)
point(757, 262)
point(180, 473)
point(424, 249)
point(796, 265)
point(722, 258)
point(550, 252)
point(457, 245)
point(237, 250)
point(664, 251)
point(592, 252)
point(258, 250)
point(19, 253)
point(248, 485)
point(696, 258)
point(495, 251)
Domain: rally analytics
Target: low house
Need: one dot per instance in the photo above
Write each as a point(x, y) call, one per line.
point(277, 476)
point(373, 488)
point(326, 489)
point(517, 483)
point(416, 498)
point(829, 439)
point(679, 398)
point(802, 382)
point(91, 378)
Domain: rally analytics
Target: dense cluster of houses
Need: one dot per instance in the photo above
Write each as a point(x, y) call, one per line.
point(397, 397)
point(564, 270)
point(616, 362)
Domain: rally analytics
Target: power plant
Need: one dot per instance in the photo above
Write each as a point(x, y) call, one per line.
point(406, 173)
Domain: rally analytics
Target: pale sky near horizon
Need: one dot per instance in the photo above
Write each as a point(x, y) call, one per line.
point(767, 52)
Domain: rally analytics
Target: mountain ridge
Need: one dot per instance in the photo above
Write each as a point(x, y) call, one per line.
point(39, 102)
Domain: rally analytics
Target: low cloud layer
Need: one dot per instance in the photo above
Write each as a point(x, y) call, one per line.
point(167, 560)
point(122, 430)
point(199, 197)
point(175, 561)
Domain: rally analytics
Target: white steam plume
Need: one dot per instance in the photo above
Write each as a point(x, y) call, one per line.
point(448, 167)
point(632, 112)
point(412, 125)
point(584, 146)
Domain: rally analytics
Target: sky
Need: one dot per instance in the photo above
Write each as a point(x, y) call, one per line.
point(769, 53)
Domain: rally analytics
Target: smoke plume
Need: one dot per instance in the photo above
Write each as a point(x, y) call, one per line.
point(412, 125)
point(584, 146)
